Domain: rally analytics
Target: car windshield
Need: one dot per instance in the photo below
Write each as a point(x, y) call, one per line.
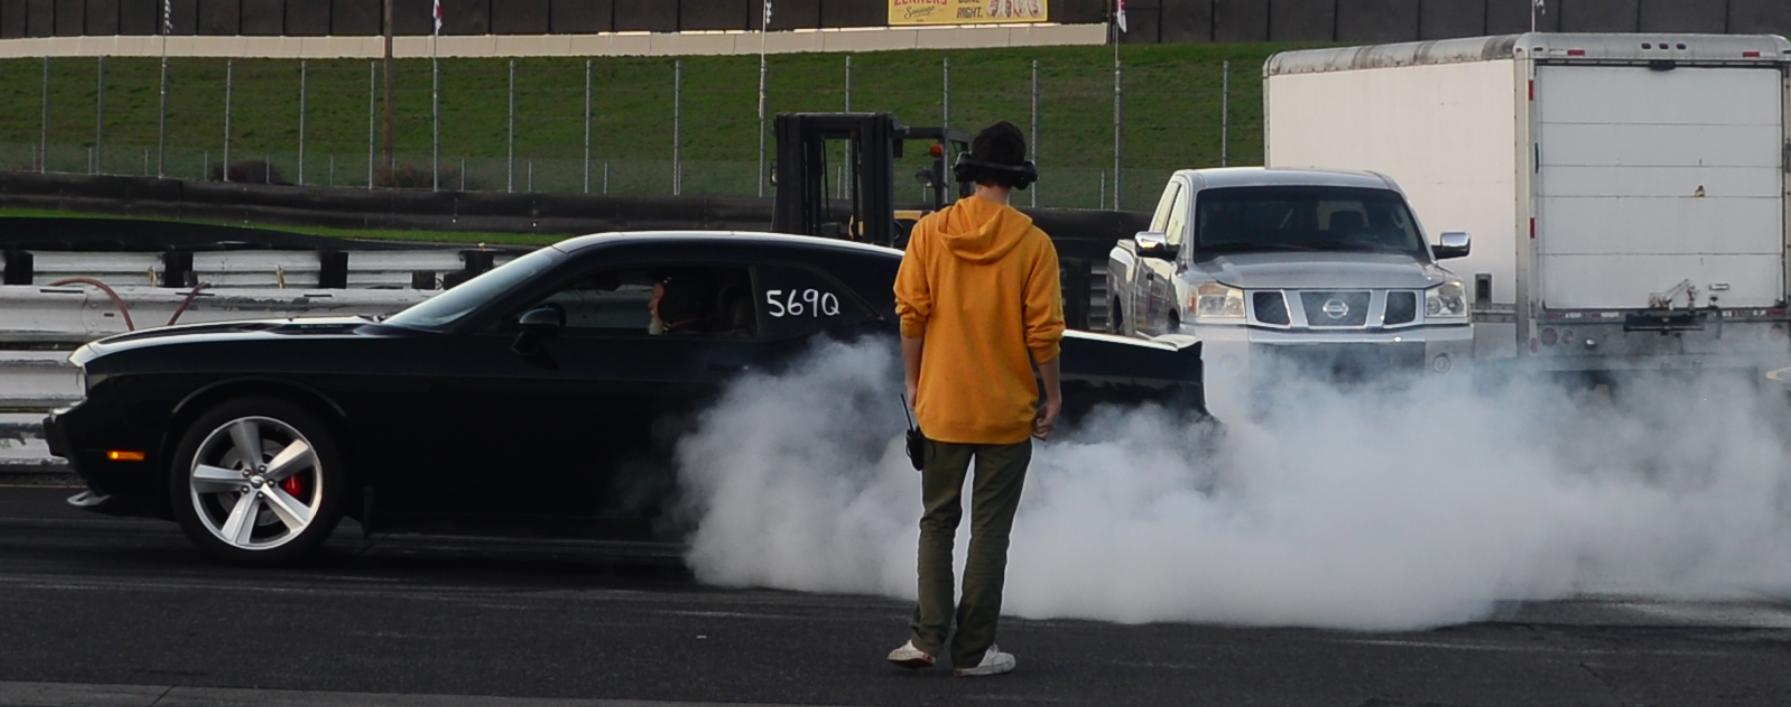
point(1304, 218)
point(439, 311)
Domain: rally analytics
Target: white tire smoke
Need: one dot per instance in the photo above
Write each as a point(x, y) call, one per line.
point(1364, 509)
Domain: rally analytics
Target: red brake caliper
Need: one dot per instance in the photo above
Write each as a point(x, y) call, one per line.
point(293, 486)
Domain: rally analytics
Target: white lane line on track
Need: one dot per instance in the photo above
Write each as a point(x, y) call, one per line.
point(1750, 616)
point(81, 695)
point(1521, 648)
point(727, 614)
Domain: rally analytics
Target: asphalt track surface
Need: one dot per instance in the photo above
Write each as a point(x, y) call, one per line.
point(104, 611)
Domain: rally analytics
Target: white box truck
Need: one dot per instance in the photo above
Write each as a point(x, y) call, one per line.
point(1627, 193)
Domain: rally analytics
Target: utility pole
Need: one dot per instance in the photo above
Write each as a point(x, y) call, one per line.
point(386, 132)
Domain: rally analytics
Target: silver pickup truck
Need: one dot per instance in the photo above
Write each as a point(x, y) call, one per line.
point(1328, 270)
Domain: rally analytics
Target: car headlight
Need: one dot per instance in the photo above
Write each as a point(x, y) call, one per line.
point(1446, 301)
point(1213, 301)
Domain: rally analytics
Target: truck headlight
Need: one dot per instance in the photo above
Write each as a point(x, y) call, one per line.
point(1213, 301)
point(1446, 301)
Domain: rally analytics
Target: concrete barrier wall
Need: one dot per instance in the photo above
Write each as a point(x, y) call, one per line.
point(1375, 21)
point(610, 44)
point(1150, 20)
point(48, 18)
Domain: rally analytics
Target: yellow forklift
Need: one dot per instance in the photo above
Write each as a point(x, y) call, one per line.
point(856, 199)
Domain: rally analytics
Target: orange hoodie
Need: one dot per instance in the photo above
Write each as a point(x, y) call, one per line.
point(979, 282)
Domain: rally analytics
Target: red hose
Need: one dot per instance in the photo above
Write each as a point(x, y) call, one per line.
point(116, 300)
point(184, 303)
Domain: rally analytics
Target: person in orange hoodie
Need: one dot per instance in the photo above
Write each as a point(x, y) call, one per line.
point(981, 309)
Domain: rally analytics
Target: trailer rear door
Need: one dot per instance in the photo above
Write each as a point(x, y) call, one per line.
point(1647, 178)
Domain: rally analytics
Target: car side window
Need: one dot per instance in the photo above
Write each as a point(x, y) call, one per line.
point(797, 301)
point(655, 301)
point(1178, 217)
point(1160, 219)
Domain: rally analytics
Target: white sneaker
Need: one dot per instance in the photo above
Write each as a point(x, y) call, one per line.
point(910, 657)
point(994, 662)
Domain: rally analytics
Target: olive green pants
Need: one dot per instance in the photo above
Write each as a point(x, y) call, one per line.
point(995, 495)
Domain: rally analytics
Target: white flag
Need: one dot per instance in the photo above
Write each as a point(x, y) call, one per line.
point(1542, 6)
point(1119, 14)
point(167, 17)
point(438, 16)
point(767, 23)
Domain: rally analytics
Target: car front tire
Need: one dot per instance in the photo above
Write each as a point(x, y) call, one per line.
point(257, 481)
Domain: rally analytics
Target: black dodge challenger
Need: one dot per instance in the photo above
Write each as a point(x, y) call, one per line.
point(541, 397)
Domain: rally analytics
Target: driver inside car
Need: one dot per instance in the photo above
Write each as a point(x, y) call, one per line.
point(680, 305)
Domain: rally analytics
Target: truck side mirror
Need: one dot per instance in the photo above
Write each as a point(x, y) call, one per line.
point(1152, 244)
point(1453, 244)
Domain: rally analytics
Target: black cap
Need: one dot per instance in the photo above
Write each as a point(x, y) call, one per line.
point(1001, 143)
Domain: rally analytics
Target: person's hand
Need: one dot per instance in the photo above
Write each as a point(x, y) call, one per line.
point(913, 395)
point(1046, 421)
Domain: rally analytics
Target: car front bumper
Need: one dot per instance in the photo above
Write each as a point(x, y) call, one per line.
point(85, 432)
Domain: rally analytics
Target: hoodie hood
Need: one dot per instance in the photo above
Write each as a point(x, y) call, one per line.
point(980, 231)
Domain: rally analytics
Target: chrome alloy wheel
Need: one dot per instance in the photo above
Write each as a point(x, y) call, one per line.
point(256, 483)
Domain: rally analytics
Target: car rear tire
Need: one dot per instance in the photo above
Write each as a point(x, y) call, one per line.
point(257, 481)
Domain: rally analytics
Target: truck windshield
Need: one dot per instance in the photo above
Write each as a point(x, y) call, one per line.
point(1283, 218)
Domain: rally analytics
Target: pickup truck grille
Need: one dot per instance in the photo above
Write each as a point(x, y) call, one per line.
point(1402, 308)
point(1271, 307)
point(1333, 309)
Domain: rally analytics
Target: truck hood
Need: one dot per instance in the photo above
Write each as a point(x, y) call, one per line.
point(1289, 271)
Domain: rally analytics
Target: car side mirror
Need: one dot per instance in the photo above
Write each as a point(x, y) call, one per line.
point(538, 325)
point(1453, 244)
point(1152, 244)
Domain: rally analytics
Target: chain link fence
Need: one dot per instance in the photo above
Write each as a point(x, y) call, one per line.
point(630, 126)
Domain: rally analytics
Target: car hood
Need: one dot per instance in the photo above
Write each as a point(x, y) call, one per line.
point(225, 331)
point(1322, 270)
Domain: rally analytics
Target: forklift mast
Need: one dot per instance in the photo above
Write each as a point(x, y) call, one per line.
point(873, 142)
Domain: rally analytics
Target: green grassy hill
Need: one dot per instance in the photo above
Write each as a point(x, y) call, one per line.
point(1172, 97)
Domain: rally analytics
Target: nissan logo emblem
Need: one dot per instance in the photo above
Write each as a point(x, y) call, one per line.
point(1335, 308)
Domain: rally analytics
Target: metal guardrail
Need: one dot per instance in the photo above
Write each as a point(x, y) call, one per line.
point(421, 269)
point(37, 379)
point(78, 313)
point(22, 448)
point(34, 381)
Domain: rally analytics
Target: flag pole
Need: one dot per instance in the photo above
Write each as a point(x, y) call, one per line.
point(435, 102)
